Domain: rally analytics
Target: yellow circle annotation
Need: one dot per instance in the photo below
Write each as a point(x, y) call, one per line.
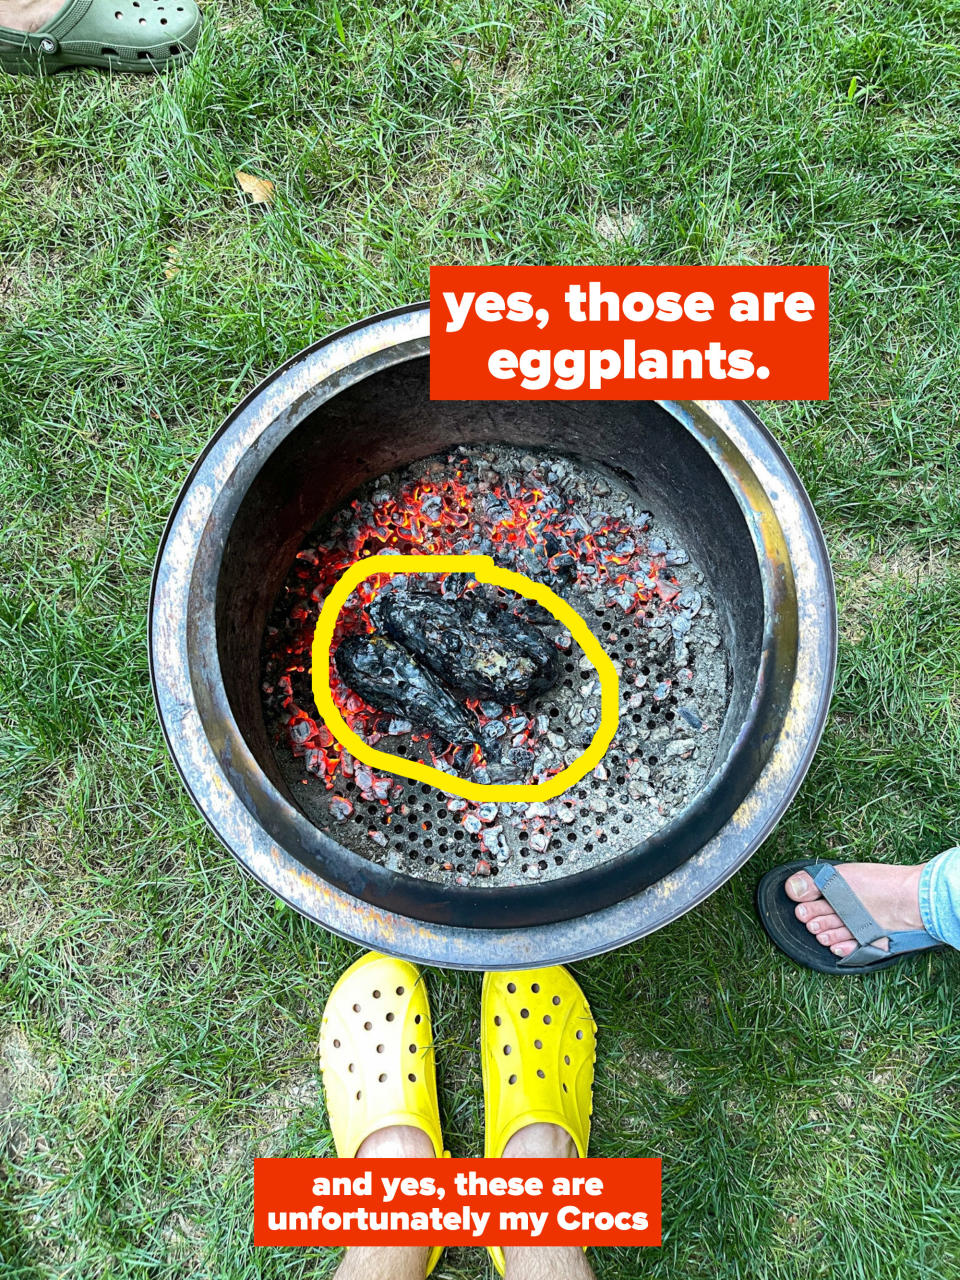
point(484, 570)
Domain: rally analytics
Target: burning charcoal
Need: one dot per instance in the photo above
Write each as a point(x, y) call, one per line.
point(491, 709)
point(396, 727)
point(377, 837)
point(340, 808)
point(475, 647)
point(495, 843)
point(471, 822)
point(390, 679)
point(495, 729)
point(677, 557)
point(539, 841)
point(691, 601)
point(482, 868)
point(487, 811)
point(680, 625)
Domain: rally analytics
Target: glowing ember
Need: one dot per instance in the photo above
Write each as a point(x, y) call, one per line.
point(530, 517)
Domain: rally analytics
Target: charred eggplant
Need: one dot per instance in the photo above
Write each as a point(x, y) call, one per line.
point(476, 647)
point(384, 674)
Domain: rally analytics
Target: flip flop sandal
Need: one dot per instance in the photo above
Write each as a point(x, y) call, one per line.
point(119, 35)
point(376, 1055)
point(776, 913)
point(538, 1046)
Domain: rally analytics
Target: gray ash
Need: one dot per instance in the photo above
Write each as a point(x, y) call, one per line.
point(580, 531)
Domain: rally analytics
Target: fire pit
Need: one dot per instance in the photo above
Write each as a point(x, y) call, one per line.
point(679, 532)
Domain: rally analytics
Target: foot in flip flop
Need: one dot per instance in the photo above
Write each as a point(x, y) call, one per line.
point(851, 917)
point(538, 1048)
point(890, 894)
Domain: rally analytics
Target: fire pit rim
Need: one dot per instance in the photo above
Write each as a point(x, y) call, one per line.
point(392, 337)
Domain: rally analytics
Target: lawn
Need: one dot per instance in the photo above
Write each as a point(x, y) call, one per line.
point(158, 1011)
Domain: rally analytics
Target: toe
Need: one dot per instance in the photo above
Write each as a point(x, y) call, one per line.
point(829, 937)
point(825, 922)
point(844, 948)
point(809, 911)
point(800, 887)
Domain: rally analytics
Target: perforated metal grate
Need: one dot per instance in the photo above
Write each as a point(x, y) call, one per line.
point(673, 696)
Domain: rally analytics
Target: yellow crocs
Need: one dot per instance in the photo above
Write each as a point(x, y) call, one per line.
point(537, 1047)
point(376, 1055)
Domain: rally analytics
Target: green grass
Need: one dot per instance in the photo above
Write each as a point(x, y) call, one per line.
point(160, 1012)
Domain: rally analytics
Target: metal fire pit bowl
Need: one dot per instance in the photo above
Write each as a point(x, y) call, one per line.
point(356, 406)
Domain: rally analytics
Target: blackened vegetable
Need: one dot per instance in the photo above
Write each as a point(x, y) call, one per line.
point(474, 646)
point(391, 679)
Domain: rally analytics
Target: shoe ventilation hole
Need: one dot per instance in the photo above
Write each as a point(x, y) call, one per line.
point(579, 1035)
point(412, 1048)
point(512, 1080)
point(535, 987)
point(497, 1020)
point(356, 1008)
point(350, 1067)
point(382, 1077)
point(541, 1073)
point(379, 1048)
point(400, 991)
point(511, 987)
point(524, 1013)
point(507, 1050)
point(376, 995)
point(390, 1017)
point(556, 999)
point(359, 1094)
point(336, 1044)
point(547, 1019)
point(538, 1044)
point(416, 1019)
point(566, 1059)
point(412, 1077)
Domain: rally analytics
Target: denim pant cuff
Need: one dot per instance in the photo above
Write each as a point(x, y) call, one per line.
point(939, 895)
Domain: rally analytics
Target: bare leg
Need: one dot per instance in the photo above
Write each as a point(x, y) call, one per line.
point(28, 15)
point(544, 1262)
point(389, 1262)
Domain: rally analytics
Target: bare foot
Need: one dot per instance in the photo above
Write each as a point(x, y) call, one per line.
point(395, 1141)
point(537, 1140)
point(890, 894)
point(28, 15)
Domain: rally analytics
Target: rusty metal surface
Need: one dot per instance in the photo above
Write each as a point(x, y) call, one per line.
point(788, 542)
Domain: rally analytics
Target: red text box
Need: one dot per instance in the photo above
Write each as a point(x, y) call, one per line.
point(629, 333)
point(456, 1202)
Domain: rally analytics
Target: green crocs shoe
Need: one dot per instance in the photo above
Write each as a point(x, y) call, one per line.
point(118, 35)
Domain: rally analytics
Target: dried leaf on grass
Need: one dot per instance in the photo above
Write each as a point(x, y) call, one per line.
point(173, 262)
point(260, 190)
